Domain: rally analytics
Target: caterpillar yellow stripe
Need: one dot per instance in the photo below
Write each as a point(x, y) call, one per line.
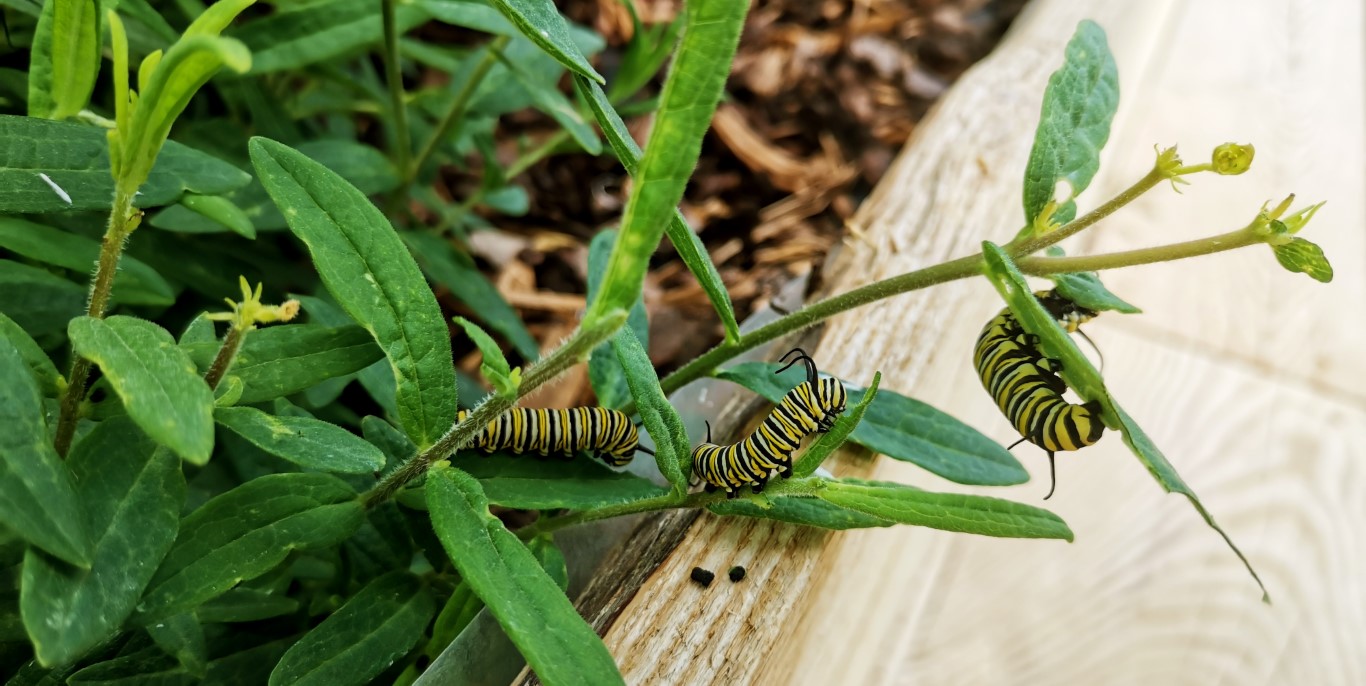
point(810, 407)
point(1026, 385)
point(606, 434)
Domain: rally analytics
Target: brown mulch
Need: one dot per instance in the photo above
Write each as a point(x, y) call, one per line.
point(822, 96)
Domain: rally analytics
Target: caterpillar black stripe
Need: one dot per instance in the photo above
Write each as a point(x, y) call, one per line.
point(1026, 385)
point(811, 406)
point(606, 434)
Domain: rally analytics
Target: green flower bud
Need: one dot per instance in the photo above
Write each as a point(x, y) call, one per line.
point(1231, 159)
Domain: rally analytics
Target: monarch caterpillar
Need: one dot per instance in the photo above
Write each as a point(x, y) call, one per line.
point(607, 434)
point(811, 406)
point(1026, 385)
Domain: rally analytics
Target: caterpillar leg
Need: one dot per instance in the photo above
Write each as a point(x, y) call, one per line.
point(758, 488)
point(787, 471)
point(1052, 365)
point(710, 488)
point(732, 494)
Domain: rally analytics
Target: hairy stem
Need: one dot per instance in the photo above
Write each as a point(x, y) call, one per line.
point(1034, 244)
point(1129, 258)
point(571, 352)
point(393, 74)
point(122, 220)
point(226, 353)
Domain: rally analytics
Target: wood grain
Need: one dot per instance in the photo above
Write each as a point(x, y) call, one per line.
point(1250, 379)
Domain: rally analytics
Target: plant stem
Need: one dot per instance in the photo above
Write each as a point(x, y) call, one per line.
point(1040, 266)
point(571, 352)
point(453, 115)
point(122, 220)
point(226, 353)
point(518, 166)
point(1034, 244)
point(394, 76)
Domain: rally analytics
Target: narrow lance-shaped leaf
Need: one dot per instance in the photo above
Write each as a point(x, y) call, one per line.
point(829, 441)
point(308, 34)
point(137, 283)
point(804, 511)
point(684, 239)
point(579, 484)
point(369, 272)
point(673, 452)
point(604, 370)
point(560, 647)
point(245, 533)
point(1082, 377)
point(182, 637)
point(50, 381)
point(970, 514)
point(696, 79)
point(494, 366)
point(1078, 106)
point(542, 24)
point(37, 498)
point(359, 641)
point(154, 378)
point(306, 442)
point(904, 429)
point(64, 59)
point(282, 360)
point(131, 492)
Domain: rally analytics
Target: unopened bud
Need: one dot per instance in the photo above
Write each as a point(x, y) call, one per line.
point(1231, 159)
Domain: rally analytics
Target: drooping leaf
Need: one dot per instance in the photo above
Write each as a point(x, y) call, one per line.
point(313, 33)
point(395, 445)
point(217, 209)
point(369, 272)
point(1083, 378)
point(673, 452)
point(972, 514)
point(560, 647)
point(549, 100)
point(306, 442)
point(37, 497)
point(137, 283)
point(131, 493)
point(182, 637)
point(904, 429)
point(542, 24)
point(526, 483)
point(246, 605)
point(246, 532)
point(50, 381)
point(360, 640)
point(154, 378)
point(1078, 106)
point(804, 511)
point(1300, 255)
point(604, 369)
point(685, 241)
point(494, 366)
point(148, 666)
point(826, 443)
point(282, 360)
point(64, 59)
point(38, 157)
point(37, 300)
point(456, 271)
point(1085, 289)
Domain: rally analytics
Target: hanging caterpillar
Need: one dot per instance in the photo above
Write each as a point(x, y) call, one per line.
point(811, 406)
point(1026, 385)
point(607, 434)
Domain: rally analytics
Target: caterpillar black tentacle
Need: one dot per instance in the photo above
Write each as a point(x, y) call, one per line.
point(608, 435)
point(810, 407)
point(1026, 385)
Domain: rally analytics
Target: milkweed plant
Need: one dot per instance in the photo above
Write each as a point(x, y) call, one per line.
point(207, 503)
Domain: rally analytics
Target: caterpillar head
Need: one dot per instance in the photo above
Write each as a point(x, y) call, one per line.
point(1068, 314)
point(833, 397)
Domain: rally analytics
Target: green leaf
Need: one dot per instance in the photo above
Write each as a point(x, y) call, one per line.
point(455, 270)
point(218, 210)
point(827, 443)
point(131, 493)
point(494, 367)
point(542, 24)
point(673, 452)
point(181, 637)
point(1086, 290)
point(147, 667)
point(37, 498)
point(529, 484)
point(970, 514)
point(154, 378)
point(38, 301)
point(50, 381)
point(246, 661)
point(1078, 106)
point(1082, 377)
point(371, 275)
point(549, 100)
point(459, 610)
point(306, 442)
point(137, 283)
point(306, 34)
point(644, 56)
point(604, 370)
point(560, 647)
point(282, 360)
point(691, 92)
point(364, 637)
point(75, 158)
point(246, 605)
point(903, 429)
point(395, 445)
point(551, 559)
point(1300, 255)
point(471, 15)
point(246, 532)
point(804, 511)
point(64, 59)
